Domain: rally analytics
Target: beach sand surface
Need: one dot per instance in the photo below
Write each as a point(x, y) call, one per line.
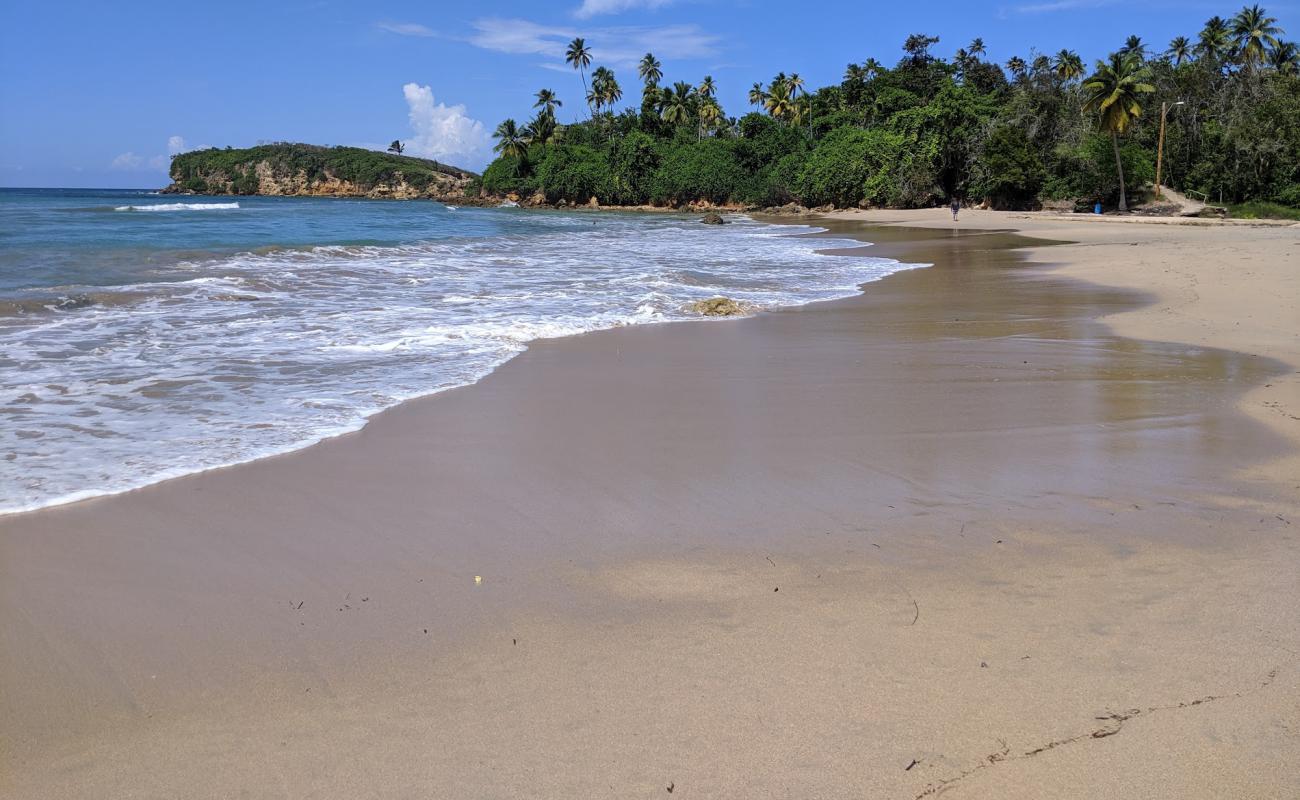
point(1021, 524)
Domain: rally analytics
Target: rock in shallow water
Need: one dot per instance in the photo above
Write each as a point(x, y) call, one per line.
point(713, 219)
point(719, 307)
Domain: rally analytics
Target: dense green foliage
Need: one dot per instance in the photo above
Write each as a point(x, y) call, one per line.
point(233, 171)
point(1041, 129)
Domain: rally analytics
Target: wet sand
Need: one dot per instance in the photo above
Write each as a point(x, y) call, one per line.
point(952, 535)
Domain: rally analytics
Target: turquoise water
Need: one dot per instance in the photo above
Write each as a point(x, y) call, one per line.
point(144, 337)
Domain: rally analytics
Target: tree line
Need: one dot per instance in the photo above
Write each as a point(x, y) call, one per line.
point(1016, 134)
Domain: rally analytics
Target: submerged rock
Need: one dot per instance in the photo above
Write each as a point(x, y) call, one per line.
point(713, 218)
point(719, 307)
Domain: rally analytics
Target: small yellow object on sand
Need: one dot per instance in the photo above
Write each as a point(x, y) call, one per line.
point(478, 580)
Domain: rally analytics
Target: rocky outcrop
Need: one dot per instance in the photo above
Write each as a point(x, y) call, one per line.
point(310, 171)
point(713, 219)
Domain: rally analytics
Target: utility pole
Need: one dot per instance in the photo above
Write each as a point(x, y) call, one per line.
point(1160, 148)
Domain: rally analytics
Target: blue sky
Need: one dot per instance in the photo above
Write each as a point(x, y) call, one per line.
point(99, 93)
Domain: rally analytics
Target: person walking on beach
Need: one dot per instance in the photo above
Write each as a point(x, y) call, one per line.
point(955, 205)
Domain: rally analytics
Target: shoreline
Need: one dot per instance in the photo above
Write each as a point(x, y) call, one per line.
point(94, 494)
point(948, 518)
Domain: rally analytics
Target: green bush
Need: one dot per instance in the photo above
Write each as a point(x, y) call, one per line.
point(575, 173)
point(852, 166)
point(508, 175)
point(1009, 172)
point(706, 171)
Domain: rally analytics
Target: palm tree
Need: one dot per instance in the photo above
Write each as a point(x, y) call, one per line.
point(578, 56)
point(855, 73)
point(547, 102)
point(611, 92)
point(873, 68)
point(1285, 58)
point(707, 88)
point(511, 141)
point(1180, 49)
point(396, 147)
point(1135, 46)
point(542, 129)
point(1114, 93)
point(780, 100)
point(1068, 65)
point(710, 113)
point(1214, 40)
point(796, 85)
point(1255, 33)
point(757, 94)
point(1017, 66)
point(649, 70)
point(962, 59)
point(1041, 65)
point(676, 103)
point(976, 48)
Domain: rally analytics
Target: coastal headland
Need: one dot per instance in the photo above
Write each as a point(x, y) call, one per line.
point(1019, 524)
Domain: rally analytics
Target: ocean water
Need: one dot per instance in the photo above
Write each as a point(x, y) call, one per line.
point(142, 337)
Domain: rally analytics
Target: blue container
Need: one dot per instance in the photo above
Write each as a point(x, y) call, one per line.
point(1096, 209)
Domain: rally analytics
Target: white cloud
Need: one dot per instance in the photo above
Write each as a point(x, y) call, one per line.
point(619, 46)
point(591, 8)
point(127, 161)
point(159, 163)
point(404, 28)
point(443, 132)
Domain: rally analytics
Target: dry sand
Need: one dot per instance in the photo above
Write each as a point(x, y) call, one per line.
point(952, 536)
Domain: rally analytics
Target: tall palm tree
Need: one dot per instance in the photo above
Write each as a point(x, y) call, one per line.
point(707, 88)
point(650, 70)
point(1180, 50)
point(578, 56)
point(1017, 66)
point(547, 102)
point(611, 92)
point(757, 94)
point(1135, 46)
point(1255, 34)
point(855, 73)
point(1215, 40)
point(1041, 65)
point(1114, 94)
point(604, 89)
point(396, 147)
point(511, 141)
point(1068, 65)
point(1285, 58)
point(976, 48)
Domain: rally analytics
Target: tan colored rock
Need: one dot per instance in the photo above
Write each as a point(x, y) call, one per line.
point(719, 307)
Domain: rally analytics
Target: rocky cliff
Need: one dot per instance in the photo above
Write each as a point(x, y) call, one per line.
point(310, 170)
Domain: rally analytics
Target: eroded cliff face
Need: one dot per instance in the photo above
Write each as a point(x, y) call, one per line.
point(261, 178)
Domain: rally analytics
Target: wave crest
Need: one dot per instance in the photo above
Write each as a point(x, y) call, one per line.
point(181, 207)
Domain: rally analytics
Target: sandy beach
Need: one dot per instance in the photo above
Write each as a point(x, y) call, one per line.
point(1020, 524)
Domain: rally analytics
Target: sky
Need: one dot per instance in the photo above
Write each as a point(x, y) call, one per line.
point(101, 94)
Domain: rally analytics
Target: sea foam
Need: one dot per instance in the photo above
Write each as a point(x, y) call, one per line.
point(175, 377)
point(181, 207)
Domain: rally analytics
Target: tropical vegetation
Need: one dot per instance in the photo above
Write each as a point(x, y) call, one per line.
point(1029, 129)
